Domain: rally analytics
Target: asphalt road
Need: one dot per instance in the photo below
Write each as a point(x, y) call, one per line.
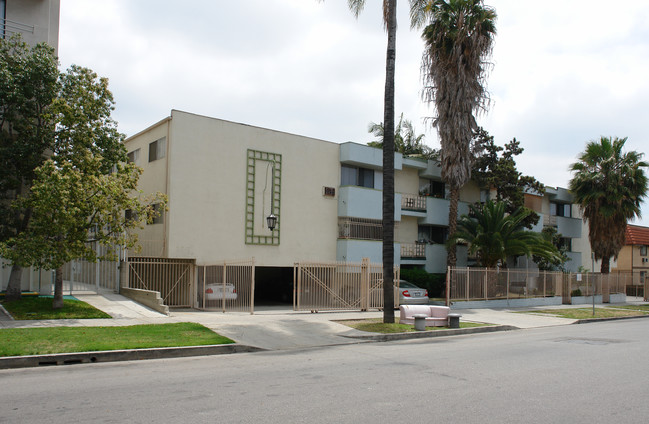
point(592, 373)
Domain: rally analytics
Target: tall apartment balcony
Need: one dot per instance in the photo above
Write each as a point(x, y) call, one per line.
point(413, 205)
point(567, 227)
point(437, 211)
point(366, 156)
point(364, 202)
point(9, 28)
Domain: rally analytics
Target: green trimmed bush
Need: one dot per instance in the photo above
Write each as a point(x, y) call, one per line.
point(434, 283)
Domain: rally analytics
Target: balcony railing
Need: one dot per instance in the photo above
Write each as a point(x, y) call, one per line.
point(8, 27)
point(413, 202)
point(413, 250)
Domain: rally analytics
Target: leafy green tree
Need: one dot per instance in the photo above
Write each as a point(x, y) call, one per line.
point(458, 41)
point(495, 168)
point(80, 194)
point(609, 185)
point(558, 262)
point(406, 141)
point(28, 86)
point(494, 235)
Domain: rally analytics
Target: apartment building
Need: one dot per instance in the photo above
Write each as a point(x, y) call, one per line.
point(223, 179)
point(37, 21)
point(634, 256)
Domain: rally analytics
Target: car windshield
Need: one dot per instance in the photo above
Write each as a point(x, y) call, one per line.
point(407, 285)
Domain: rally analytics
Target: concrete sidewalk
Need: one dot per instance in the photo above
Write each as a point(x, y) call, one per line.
point(270, 327)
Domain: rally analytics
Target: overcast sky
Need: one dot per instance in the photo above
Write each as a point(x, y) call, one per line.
point(565, 72)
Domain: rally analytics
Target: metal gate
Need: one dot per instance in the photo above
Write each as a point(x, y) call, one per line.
point(339, 286)
point(80, 275)
point(229, 286)
point(172, 278)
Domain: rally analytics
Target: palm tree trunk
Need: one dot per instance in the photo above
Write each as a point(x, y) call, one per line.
point(605, 269)
point(57, 303)
point(14, 284)
point(388, 167)
point(451, 258)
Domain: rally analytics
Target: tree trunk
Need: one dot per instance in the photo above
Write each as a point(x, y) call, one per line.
point(14, 285)
point(57, 303)
point(605, 265)
point(451, 258)
point(388, 167)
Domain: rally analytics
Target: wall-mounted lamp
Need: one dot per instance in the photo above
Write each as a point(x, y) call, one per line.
point(271, 221)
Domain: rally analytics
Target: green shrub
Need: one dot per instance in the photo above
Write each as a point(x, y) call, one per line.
point(575, 293)
point(434, 283)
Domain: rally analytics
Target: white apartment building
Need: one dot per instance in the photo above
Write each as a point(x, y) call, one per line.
point(37, 21)
point(223, 179)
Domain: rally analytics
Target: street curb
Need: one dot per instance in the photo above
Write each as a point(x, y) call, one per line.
point(433, 333)
point(122, 355)
point(589, 320)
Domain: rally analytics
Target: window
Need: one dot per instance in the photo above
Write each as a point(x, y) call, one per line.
point(360, 228)
point(643, 250)
point(561, 209)
point(432, 188)
point(351, 175)
point(157, 149)
point(130, 215)
point(432, 234)
point(565, 242)
point(3, 16)
point(134, 156)
point(159, 214)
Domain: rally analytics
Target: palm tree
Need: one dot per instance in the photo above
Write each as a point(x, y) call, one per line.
point(406, 141)
point(494, 236)
point(390, 22)
point(609, 185)
point(458, 42)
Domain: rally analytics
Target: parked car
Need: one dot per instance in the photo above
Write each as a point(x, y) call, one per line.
point(216, 292)
point(409, 294)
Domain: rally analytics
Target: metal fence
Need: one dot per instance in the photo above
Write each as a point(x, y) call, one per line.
point(172, 278)
point(339, 286)
point(82, 276)
point(490, 284)
point(229, 286)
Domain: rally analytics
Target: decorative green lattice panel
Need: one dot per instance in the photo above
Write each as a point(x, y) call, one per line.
point(272, 181)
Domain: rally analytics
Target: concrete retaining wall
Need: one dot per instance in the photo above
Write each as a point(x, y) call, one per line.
point(508, 303)
point(148, 298)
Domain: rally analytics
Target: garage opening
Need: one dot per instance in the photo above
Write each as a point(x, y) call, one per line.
point(273, 286)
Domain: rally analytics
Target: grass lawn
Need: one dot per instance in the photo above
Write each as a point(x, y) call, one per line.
point(34, 341)
point(643, 307)
point(41, 308)
point(585, 313)
point(376, 325)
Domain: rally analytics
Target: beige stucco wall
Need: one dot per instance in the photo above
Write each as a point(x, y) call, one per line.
point(152, 180)
point(207, 192)
point(406, 181)
point(407, 231)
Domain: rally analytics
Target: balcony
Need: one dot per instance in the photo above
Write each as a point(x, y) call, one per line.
point(413, 251)
point(567, 227)
point(366, 156)
point(437, 211)
point(9, 28)
point(413, 205)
